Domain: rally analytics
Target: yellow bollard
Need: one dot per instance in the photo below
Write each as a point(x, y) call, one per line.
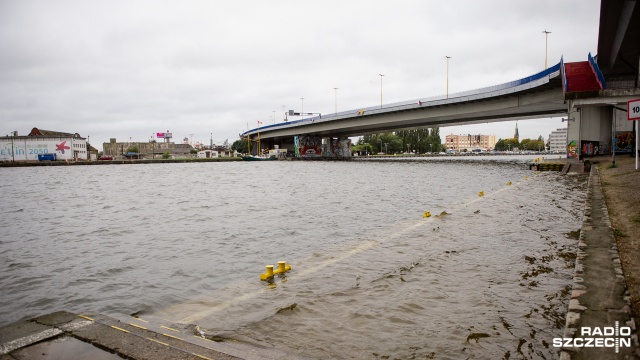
point(269, 272)
point(282, 268)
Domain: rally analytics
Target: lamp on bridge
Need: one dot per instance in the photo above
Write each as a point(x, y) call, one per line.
point(448, 57)
point(381, 75)
point(546, 43)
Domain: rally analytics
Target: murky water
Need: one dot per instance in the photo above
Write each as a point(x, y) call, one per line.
point(483, 277)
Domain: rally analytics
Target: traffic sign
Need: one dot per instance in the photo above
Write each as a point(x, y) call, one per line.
point(633, 110)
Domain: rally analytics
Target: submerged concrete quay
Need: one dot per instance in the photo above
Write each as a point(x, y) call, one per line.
point(599, 298)
point(64, 335)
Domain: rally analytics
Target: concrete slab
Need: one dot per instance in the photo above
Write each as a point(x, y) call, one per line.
point(63, 348)
point(24, 333)
point(64, 335)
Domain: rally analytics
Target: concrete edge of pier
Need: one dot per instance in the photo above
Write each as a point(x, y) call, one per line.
point(130, 339)
point(599, 296)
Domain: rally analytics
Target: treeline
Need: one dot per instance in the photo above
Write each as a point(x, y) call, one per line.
point(419, 140)
point(525, 144)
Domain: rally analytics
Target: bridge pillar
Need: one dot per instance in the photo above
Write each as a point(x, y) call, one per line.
point(595, 130)
point(340, 147)
point(308, 146)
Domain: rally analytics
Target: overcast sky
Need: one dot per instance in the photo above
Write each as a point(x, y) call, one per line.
point(129, 69)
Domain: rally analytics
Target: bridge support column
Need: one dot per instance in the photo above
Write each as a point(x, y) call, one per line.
point(594, 130)
point(308, 146)
point(338, 147)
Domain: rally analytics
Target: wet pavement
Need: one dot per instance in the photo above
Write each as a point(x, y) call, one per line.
point(63, 335)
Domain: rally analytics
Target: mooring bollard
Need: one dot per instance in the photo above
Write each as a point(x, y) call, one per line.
point(282, 268)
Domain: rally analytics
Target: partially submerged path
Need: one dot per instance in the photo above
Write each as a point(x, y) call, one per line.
point(599, 298)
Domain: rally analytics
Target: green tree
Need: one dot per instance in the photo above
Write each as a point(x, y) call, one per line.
point(420, 140)
point(387, 142)
point(532, 145)
point(166, 155)
point(240, 146)
point(133, 149)
point(507, 144)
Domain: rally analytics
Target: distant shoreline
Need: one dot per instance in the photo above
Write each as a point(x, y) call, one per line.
point(111, 162)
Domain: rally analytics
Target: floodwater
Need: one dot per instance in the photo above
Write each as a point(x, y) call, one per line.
point(482, 277)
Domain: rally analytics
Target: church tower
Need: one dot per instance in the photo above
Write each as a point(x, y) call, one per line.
point(516, 135)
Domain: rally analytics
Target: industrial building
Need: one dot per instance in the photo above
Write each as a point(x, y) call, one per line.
point(65, 146)
point(146, 149)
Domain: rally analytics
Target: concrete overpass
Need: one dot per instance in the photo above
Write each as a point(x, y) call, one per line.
point(538, 95)
point(592, 93)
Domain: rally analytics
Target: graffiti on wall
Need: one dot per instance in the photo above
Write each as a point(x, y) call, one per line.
point(624, 142)
point(309, 146)
point(341, 147)
point(590, 148)
point(572, 150)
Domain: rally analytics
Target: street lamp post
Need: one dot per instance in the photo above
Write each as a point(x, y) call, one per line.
point(447, 57)
point(546, 44)
point(302, 109)
point(380, 145)
point(284, 114)
point(13, 151)
point(335, 99)
point(381, 75)
point(386, 148)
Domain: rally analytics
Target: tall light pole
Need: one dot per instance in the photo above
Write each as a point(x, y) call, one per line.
point(13, 151)
point(448, 57)
point(381, 75)
point(546, 44)
point(302, 109)
point(335, 90)
point(284, 116)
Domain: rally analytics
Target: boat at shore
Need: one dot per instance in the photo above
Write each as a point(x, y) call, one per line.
point(258, 158)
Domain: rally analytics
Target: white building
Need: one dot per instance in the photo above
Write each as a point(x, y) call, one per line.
point(66, 146)
point(558, 141)
point(207, 154)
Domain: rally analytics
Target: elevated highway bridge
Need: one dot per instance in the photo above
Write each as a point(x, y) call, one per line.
point(539, 95)
point(592, 99)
